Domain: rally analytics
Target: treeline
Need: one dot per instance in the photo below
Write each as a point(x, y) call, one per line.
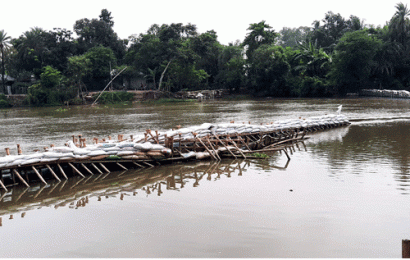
point(333, 57)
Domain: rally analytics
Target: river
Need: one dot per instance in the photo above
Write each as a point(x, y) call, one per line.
point(344, 193)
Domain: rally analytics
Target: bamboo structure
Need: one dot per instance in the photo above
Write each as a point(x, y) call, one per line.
point(207, 141)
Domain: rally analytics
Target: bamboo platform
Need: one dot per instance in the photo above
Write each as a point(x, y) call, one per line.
point(210, 142)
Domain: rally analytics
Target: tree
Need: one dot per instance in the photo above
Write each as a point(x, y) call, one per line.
point(101, 60)
point(78, 68)
point(59, 45)
point(96, 32)
point(289, 37)
point(231, 64)
point(400, 24)
point(4, 44)
point(353, 61)
point(314, 61)
point(334, 26)
point(207, 47)
point(259, 34)
point(50, 77)
point(157, 53)
point(268, 71)
point(106, 17)
point(31, 50)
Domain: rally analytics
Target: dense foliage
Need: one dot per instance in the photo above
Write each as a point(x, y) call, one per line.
point(334, 56)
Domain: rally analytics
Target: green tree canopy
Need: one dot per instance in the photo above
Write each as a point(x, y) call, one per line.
point(96, 32)
point(101, 60)
point(269, 69)
point(4, 44)
point(259, 34)
point(353, 61)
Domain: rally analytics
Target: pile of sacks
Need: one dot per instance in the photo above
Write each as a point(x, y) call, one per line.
point(101, 151)
point(235, 128)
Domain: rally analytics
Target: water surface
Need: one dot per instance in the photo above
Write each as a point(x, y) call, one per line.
point(344, 193)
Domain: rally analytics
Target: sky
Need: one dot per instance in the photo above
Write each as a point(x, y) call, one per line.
point(229, 18)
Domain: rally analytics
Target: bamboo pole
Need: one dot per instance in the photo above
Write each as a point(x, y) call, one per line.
point(241, 139)
point(75, 169)
point(139, 165)
point(21, 178)
point(95, 166)
point(119, 164)
point(107, 86)
point(234, 144)
point(105, 168)
point(88, 170)
point(52, 172)
point(62, 171)
point(38, 174)
point(150, 165)
point(206, 148)
point(2, 185)
point(212, 147)
point(229, 150)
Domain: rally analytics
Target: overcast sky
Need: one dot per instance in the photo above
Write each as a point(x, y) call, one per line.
point(229, 18)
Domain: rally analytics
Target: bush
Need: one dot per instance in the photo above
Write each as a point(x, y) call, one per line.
point(314, 87)
point(39, 96)
point(4, 103)
point(114, 97)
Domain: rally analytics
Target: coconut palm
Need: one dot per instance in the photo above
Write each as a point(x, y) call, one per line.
point(400, 23)
point(4, 44)
point(314, 60)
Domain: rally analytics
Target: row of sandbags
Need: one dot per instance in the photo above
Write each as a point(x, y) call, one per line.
point(385, 93)
point(235, 128)
point(101, 151)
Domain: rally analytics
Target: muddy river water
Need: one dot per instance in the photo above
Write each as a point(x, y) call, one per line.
point(344, 193)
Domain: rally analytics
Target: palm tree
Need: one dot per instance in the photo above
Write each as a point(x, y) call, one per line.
point(314, 60)
point(399, 24)
point(4, 44)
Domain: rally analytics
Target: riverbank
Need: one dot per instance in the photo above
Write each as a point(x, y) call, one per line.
point(18, 100)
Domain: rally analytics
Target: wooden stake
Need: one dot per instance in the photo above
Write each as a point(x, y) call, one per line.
point(38, 174)
point(405, 248)
point(75, 169)
point(7, 151)
point(61, 169)
point(88, 170)
point(121, 166)
point(19, 151)
point(52, 172)
point(21, 178)
point(95, 166)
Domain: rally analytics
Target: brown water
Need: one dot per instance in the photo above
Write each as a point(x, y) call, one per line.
point(344, 193)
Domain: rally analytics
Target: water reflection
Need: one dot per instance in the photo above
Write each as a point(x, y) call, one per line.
point(76, 192)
